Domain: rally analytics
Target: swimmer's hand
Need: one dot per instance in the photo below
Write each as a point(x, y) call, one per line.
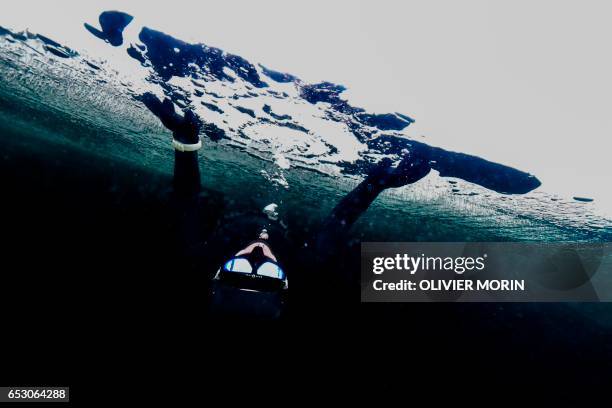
point(185, 129)
point(410, 170)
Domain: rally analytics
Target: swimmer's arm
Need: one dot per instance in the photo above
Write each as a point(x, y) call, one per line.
point(350, 208)
point(186, 187)
point(410, 170)
point(186, 182)
point(344, 215)
point(185, 130)
point(186, 172)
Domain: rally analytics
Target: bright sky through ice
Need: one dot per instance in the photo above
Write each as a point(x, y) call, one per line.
point(526, 82)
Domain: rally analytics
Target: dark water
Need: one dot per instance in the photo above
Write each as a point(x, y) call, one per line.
point(92, 240)
point(91, 251)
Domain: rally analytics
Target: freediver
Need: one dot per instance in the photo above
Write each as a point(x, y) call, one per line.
point(253, 281)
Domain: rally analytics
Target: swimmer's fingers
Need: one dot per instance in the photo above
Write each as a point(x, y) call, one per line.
point(185, 129)
point(163, 110)
point(189, 128)
point(410, 170)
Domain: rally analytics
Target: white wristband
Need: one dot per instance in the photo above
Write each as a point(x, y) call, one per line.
point(182, 147)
